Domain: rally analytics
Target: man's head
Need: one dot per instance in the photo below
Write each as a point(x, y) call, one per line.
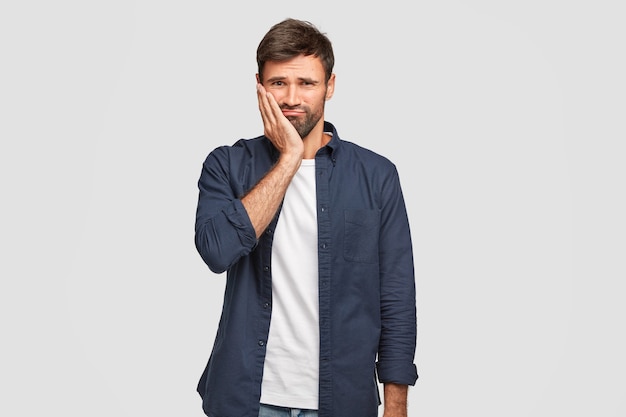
point(291, 38)
point(295, 65)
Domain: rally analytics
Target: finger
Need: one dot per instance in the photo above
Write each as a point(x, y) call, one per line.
point(270, 124)
point(264, 107)
point(273, 107)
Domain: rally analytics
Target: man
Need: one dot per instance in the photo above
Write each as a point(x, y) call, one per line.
point(313, 233)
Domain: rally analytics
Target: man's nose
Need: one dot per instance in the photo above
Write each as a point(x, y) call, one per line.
point(292, 98)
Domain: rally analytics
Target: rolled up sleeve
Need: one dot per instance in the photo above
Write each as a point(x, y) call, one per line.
point(223, 230)
point(398, 308)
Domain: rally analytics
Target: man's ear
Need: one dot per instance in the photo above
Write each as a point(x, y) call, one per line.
point(257, 79)
point(330, 87)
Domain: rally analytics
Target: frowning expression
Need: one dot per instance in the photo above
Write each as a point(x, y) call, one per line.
point(299, 87)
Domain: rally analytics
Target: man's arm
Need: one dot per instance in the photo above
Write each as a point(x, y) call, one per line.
point(396, 351)
point(395, 401)
point(263, 200)
point(228, 226)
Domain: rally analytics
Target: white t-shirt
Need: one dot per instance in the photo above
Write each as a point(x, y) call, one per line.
point(291, 371)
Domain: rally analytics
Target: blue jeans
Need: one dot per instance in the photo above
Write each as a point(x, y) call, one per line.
point(273, 411)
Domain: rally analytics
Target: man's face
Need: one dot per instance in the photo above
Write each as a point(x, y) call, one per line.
point(299, 88)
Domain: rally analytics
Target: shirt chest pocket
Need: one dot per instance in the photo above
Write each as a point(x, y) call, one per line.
point(361, 231)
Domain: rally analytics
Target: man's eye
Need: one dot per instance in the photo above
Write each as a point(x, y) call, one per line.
point(278, 83)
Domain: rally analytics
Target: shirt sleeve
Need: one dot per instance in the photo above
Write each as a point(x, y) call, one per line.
point(398, 303)
point(223, 230)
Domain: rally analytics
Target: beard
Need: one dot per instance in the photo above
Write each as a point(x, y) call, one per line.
point(305, 124)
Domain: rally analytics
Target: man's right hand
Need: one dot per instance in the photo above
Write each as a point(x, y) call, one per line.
point(277, 127)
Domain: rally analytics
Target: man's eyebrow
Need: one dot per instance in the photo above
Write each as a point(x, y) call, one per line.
point(282, 78)
point(277, 78)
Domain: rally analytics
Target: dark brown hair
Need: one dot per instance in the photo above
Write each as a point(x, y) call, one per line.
point(290, 38)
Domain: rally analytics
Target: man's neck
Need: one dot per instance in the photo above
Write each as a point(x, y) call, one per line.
point(315, 140)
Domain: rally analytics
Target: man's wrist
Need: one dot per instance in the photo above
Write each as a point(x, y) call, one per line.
point(395, 402)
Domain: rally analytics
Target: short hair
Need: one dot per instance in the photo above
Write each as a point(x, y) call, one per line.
point(291, 38)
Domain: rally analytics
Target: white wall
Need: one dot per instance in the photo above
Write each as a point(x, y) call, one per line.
point(506, 122)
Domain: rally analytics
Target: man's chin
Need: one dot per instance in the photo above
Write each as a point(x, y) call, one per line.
point(299, 128)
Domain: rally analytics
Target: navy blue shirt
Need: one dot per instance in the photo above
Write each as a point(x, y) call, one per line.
point(367, 312)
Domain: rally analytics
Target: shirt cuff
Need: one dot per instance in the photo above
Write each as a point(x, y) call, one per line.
point(396, 372)
point(238, 217)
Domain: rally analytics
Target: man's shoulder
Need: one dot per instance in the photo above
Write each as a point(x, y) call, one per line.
point(245, 146)
point(366, 155)
point(247, 143)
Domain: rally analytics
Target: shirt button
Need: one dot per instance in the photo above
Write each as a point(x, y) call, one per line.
point(261, 343)
point(323, 245)
point(266, 268)
point(266, 305)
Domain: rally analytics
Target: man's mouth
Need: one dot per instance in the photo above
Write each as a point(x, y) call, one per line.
point(292, 113)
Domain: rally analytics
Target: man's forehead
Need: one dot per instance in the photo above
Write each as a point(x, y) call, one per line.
point(305, 64)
